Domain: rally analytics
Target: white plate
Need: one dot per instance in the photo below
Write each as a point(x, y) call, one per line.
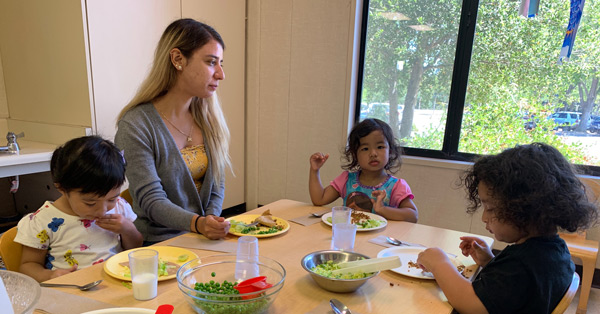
point(373, 216)
point(122, 310)
point(410, 254)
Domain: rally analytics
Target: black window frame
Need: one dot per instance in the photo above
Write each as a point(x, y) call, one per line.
point(458, 88)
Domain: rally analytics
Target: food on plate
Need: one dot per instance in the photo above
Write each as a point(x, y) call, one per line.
point(267, 224)
point(165, 268)
point(218, 304)
point(460, 268)
point(240, 227)
point(266, 219)
point(326, 268)
point(362, 220)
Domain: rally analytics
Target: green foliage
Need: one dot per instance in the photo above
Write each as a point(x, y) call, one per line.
point(514, 71)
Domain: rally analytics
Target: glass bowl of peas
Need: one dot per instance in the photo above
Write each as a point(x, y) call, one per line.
point(209, 285)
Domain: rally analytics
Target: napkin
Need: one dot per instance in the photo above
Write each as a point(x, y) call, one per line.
point(306, 220)
point(380, 240)
point(5, 303)
point(325, 308)
point(68, 304)
point(196, 241)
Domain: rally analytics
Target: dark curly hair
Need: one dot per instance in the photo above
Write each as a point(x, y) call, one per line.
point(363, 129)
point(534, 188)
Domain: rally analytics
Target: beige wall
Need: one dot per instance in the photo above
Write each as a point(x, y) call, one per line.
point(90, 59)
point(3, 103)
point(299, 89)
point(31, 63)
point(298, 75)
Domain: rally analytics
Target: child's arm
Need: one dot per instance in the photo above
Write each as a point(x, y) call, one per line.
point(117, 223)
point(477, 249)
point(406, 211)
point(458, 289)
point(32, 265)
point(319, 195)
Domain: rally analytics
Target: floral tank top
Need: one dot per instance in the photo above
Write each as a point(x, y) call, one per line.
point(197, 162)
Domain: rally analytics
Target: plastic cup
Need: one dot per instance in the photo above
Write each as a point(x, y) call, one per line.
point(246, 265)
point(144, 273)
point(340, 214)
point(343, 236)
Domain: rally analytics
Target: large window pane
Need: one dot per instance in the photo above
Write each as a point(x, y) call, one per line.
point(409, 58)
point(518, 93)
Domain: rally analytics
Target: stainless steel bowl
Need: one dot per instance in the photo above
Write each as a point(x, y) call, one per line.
point(334, 285)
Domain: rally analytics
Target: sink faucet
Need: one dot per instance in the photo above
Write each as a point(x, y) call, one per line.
point(12, 147)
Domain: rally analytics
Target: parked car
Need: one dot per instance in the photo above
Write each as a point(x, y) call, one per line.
point(568, 120)
point(530, 121)
point(594, 126)
point(382, 111)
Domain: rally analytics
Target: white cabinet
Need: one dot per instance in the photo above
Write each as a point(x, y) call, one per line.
point(70, 66)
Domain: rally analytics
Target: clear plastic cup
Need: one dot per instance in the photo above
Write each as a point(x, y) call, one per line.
point(340, 214)
point(343, 236)
point(143, 264)
point(246, 266)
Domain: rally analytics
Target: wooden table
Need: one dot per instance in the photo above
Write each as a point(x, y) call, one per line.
point(387, 293)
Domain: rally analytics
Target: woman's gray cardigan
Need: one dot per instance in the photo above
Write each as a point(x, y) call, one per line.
point(164, 195)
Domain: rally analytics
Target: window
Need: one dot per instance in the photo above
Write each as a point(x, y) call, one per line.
point(469, 78)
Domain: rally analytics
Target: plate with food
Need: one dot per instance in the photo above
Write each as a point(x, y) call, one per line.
point(408, 256)
point(364, 221)
point(261, 226)
point(170, 258)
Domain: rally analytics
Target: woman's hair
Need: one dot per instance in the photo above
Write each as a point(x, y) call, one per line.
point(363, 129)
point(188, 35)
point(532, 187)
point(90, 163)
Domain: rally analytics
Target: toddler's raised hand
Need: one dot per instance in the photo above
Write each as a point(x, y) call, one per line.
point(477, 249)
point(379, 196)
point(317, 160)
point(114, 222)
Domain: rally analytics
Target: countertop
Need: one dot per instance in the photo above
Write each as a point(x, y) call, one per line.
point(33, 157)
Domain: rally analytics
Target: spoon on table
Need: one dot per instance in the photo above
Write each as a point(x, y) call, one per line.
point(82, 288)
point(393, 241)
point(320, 214)
point(339, 307)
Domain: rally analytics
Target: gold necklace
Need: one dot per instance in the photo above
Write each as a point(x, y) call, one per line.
point(189, 136)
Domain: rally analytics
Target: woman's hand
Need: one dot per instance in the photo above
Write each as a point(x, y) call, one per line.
point(317, 160)
point(431, 258)
point(213, 227)
point(477, 249)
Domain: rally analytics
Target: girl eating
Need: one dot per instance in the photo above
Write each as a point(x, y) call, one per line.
point(372, 156)
point(527, 193)
point(89, 223)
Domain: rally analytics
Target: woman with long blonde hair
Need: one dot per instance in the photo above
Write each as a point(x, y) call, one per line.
point(175, 138)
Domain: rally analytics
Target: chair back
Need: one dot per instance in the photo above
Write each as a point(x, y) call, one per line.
point(592, 189)
point(126, 196)
point(568, 297)
point(10, 250)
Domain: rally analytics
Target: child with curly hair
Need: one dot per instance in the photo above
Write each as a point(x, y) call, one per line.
point(528, 193)
point(372, 156)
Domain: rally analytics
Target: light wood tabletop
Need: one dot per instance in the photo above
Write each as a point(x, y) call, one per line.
point(389, 292)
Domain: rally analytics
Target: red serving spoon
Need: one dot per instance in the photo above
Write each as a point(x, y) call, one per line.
point(252, 285)
point(165, 309)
